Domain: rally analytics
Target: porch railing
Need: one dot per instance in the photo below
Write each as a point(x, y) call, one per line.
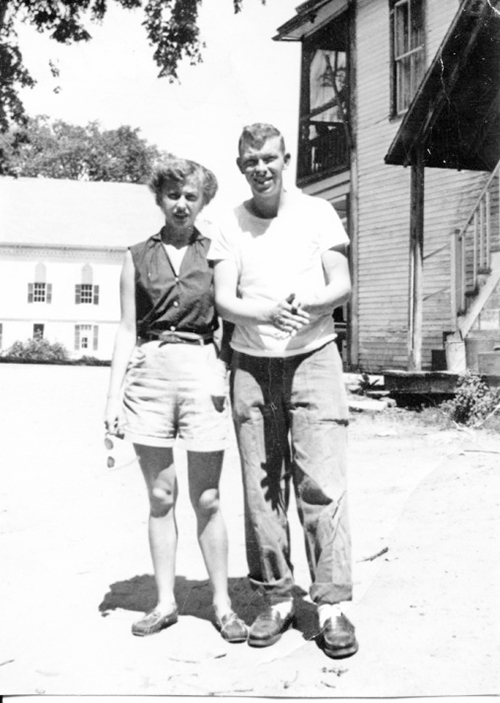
point(473, 245)
point(323, 149)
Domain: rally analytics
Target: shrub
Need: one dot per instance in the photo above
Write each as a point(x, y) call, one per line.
point(91, 361)
point(474, 401)
point(366, 385)
point(37, 350)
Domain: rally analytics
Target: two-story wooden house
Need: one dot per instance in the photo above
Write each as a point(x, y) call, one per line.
point(400, 131)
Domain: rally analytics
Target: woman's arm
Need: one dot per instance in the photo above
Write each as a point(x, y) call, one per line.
point(124, 344)
point(251, 312)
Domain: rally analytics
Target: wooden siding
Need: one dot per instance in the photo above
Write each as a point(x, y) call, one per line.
point(383, 201)
point(438, 17)
point(384, 204)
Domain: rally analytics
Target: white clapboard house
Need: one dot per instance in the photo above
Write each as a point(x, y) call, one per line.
point(62, 245)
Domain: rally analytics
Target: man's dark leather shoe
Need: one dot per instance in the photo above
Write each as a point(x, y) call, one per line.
point(268, 627)
point(338, 639)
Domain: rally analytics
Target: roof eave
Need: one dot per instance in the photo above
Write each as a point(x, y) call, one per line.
point(311, 16)
point(431, 95)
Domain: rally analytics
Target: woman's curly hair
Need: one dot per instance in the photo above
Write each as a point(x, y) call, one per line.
point(175, 170)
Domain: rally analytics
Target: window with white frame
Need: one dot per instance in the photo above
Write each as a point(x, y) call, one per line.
point(86, 292)
point(40, 291)
point(86, 337)
point(408, 45)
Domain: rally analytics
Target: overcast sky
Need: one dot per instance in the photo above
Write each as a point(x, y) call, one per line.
point(245, 77)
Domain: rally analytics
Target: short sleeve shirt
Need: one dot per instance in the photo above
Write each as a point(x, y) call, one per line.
point(276, 257)
point(167, 301)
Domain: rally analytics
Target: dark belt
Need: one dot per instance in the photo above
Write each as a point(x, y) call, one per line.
point(168, 337)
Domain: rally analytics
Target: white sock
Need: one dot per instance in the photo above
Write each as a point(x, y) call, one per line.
point(327, 610)
point(283, 608)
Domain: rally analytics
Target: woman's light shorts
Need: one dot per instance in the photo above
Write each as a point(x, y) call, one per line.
point(176, 391)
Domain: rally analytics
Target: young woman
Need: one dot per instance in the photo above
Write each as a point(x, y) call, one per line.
point(167, 382)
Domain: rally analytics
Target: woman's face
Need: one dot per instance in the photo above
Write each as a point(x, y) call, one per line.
point(181, 204)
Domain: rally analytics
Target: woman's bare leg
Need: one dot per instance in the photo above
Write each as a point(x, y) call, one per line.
point(204, 473)
point(157, 464)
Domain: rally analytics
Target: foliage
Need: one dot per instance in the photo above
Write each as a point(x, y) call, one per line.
point(171, 27)
point(37, 350)
point(366, 385)
point(62, 150)
point(90, 361)
point(473, 402)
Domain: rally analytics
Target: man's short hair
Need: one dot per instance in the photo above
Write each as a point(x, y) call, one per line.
point(256, 134)
point(173, 170)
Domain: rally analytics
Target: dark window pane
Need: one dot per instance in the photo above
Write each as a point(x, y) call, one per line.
point(39, 292)
point(417, 24)
point(408, 66)
point(86, 294)
point(402, 29)
point(323, 136)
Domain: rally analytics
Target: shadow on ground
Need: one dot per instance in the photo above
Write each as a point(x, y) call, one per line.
point(195, 598)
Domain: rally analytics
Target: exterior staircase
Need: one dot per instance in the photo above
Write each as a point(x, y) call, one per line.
point(476, 281)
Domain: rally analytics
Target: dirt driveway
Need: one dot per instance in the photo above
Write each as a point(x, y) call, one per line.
point(76, 568)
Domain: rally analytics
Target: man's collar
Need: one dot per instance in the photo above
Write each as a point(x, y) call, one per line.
point(253, 206)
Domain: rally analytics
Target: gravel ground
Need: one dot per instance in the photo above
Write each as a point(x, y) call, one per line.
point(76, 566)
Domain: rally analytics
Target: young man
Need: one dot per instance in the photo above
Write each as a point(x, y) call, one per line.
point(280, 270)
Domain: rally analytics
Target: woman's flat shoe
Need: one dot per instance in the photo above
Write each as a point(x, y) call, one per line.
point(154, 622)
point(232, 628)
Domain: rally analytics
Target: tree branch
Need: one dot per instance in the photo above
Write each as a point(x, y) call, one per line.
point(3, 12)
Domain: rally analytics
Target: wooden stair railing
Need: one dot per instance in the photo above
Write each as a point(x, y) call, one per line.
point(473, 244)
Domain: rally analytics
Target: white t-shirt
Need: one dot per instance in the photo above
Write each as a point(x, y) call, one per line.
point(276, 257)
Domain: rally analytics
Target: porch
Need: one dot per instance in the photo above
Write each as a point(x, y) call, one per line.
point(454, 123)
point(428, 384)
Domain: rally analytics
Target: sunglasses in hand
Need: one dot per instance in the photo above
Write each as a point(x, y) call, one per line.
point(109, 444)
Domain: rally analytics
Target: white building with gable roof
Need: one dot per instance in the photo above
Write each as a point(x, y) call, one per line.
point(62, 245)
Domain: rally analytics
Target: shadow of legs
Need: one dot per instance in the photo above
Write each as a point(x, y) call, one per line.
point(138, 594)
point(194, 598)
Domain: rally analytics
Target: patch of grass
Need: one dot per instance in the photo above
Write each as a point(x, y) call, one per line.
point(428, 415)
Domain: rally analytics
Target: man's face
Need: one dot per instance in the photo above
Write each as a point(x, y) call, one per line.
point(263, 167)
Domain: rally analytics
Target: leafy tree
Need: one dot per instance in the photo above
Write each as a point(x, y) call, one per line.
point(171, 28)
point(61, 150)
